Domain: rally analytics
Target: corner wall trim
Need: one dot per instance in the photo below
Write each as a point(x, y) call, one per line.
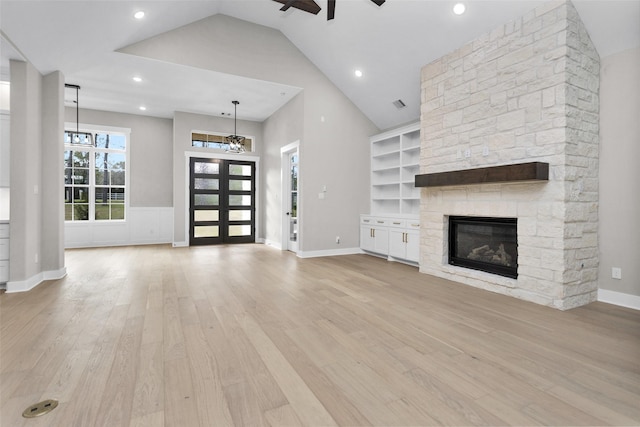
point(619, 298)
point(33, 281)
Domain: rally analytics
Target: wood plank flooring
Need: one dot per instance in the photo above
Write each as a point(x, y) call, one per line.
point(246, 335)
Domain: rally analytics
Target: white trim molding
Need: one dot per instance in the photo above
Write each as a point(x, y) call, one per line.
point(33, 281)
point(619, 298)
point(329, 252)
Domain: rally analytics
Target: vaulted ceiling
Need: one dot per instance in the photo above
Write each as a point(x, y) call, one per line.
point(388, 43)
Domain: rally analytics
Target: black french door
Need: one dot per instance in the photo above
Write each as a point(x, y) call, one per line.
point(222, 201)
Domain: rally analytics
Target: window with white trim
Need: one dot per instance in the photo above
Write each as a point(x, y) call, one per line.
point(95, 168)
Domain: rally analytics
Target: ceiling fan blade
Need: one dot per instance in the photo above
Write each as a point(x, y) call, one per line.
point(287, 5)
point(378, 2)
point(307, 5)
point(331, 9)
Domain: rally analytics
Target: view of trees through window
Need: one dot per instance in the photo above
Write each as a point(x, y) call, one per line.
point(94, 176)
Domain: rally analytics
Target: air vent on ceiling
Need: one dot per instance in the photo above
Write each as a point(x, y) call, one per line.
point(399, 104)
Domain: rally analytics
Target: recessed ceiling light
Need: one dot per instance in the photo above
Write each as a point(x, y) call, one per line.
point(143, 108)
point(459, 8)
point(137, 79)
point(358, 73)
point(139, 14)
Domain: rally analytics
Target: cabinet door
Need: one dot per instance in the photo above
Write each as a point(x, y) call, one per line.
point(397, 246)
point(381, 237)
point(412, 242)
point(367, 242)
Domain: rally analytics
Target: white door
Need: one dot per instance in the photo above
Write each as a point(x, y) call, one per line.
point(290, 197)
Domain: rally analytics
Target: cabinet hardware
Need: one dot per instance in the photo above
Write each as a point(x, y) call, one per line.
point(380, 222)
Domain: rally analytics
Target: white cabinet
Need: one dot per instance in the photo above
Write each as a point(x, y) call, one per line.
point(4, 252)
point(396, 238)
point(404, 240)
point(374, 235)
point(395, 161)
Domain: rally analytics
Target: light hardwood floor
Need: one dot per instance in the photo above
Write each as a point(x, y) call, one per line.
point(247, 335)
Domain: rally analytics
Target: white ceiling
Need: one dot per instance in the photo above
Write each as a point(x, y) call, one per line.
point(389, 44)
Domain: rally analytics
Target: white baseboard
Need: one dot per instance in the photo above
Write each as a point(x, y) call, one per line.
point(271, 243)
point(180, 244)
point(329, 252)
point(33, 281)
point(619, 298)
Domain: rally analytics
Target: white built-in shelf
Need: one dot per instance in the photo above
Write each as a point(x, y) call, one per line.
point(395, 161)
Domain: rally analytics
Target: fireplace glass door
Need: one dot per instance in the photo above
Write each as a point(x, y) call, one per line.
point(486, 244)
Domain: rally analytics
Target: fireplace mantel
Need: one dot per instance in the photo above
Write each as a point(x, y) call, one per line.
point(532, 171)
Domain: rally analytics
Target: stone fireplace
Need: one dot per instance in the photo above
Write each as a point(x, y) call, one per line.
point(525, 92)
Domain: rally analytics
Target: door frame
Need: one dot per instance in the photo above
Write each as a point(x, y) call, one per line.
point(284, 202)
point(201, 154)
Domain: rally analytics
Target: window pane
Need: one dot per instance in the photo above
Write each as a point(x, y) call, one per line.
point(107, 161)
point(80, 194)
point(68, 212)
point(210, 168)
point(206, 184)
point(102, 195)
point(78, 159)
point(117, 195)
point(117, 177)
point(239, 185)
point(239, 200)
point(294, 205)
point(240, 215)
point(80, 176)
point(117, 210)
point(294, 178)
point(208, 215)
point(80, 212)
point(205, 231)
point(242, 170)
point(239, 230)
point(115, 142)
point(206, 200)
point(68, 194)
point(67, 176)
point(102, 211)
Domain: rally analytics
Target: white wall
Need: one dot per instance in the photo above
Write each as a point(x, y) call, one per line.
point(619, 172)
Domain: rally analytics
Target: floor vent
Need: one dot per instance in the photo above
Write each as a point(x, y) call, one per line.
point(41, 408)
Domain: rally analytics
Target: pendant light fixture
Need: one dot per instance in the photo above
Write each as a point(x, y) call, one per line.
point(235, 141)
point(77, 137)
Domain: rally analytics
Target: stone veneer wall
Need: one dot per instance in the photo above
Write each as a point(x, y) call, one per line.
point(527, 91)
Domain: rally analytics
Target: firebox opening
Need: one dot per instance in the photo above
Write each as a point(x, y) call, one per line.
point(486, 244)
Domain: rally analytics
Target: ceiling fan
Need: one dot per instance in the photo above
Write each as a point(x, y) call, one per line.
point(312, 7)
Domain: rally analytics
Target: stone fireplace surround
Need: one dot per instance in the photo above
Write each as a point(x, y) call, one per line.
point(525, 92)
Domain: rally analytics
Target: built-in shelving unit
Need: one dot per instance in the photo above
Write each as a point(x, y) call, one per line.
point(392, 229)
point(395, 161)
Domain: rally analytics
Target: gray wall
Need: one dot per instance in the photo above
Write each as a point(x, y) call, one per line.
point(150, 154)
point(335, 139)
point(36, 230)
point(183, 125)
point(619, 173)
point(282, 128)
point(52, 238)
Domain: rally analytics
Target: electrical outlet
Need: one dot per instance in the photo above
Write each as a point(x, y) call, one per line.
point(485, 151)
point(338, 239)
point(616, 273)
point(467, 153)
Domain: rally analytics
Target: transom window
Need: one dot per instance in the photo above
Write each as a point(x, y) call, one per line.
point(206, 140)
point(95, 175)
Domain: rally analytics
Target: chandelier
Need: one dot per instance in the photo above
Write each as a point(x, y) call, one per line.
point(235, 141)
